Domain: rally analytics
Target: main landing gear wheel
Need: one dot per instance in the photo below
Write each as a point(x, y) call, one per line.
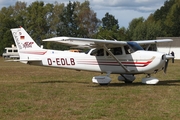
point(105, 84)
point(128, 82)
point(101, 80)
point(126, 78)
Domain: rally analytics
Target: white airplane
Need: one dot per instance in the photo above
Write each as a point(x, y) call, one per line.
point(106, 56)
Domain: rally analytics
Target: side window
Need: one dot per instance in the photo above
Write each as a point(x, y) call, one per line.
point(117, 51)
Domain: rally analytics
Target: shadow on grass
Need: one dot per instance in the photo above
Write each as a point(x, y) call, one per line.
point(161, 83)
point(60, 81)
point(135, 84)
point(169, 82)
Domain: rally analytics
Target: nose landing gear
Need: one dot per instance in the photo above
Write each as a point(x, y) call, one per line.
point(149, 80)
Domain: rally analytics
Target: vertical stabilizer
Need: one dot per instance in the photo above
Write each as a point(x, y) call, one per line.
point(27, 48)
point(23, 40)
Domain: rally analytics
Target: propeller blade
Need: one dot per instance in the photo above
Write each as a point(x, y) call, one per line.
point(167, 58)
point(166, 65)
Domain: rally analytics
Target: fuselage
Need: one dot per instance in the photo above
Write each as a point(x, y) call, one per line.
point(138, 62)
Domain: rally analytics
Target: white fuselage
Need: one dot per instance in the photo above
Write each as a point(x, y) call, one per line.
point(138, 62)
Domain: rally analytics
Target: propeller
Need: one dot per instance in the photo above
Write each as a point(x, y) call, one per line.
point(167, 58)
point(166, 65)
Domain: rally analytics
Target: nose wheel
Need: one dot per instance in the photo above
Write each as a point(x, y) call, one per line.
point(149, 80)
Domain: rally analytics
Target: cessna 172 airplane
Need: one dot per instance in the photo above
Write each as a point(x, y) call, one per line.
point(105, 56)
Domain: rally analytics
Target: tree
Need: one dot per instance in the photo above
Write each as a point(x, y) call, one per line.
point(68, 25)
point(48, 20)
point(86, 19)
point(122, 34)
point(19, 13)
point(132, 27)
point(172, 20)
point(36, 21)
point(147, 31)
point(54, 20)
point(109, 22)
point(168, 18)
point(77, 20)
point(109, 29)
point(139, 33)
point(160, 14)
point(6, 23)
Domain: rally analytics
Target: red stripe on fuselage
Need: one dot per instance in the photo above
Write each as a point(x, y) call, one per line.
point(137, 64)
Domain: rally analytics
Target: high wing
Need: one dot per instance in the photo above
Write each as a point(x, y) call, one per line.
point(86, 42)
point(97, 43)
point(153, 41)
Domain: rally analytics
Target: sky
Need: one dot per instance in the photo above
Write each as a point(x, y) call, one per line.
point(123, 10)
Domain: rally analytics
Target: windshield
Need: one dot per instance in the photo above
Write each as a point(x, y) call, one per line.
point(135, 46)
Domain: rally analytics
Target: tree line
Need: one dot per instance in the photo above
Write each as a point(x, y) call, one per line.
point(79, 20)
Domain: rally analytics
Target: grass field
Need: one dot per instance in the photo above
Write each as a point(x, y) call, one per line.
point(41, 93)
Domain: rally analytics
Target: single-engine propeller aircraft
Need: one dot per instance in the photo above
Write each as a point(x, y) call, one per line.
point(105, 56)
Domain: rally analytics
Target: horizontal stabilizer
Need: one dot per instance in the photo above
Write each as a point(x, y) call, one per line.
point(22, 60)
point(30, 62)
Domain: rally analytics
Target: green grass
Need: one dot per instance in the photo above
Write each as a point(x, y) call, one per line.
point(36, 93)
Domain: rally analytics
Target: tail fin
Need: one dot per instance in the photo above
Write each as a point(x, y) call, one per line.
point(23, 40)
point(27, 48)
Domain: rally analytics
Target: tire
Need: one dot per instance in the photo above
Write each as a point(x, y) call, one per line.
point(128, 82)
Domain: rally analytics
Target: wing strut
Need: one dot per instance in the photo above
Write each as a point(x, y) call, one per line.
point(115, 58)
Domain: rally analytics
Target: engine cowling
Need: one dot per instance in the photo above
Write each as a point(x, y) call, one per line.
point(102, 80)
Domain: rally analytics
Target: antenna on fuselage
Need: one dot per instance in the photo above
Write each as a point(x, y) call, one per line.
point(102, 37)
point(112, 38)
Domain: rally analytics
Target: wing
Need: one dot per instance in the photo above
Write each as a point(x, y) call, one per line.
point(86, 42)
point(97, 43)
point(153, 41)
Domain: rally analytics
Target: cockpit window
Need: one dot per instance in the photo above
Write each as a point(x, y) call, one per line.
point(127, 49)
point(134, 46)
